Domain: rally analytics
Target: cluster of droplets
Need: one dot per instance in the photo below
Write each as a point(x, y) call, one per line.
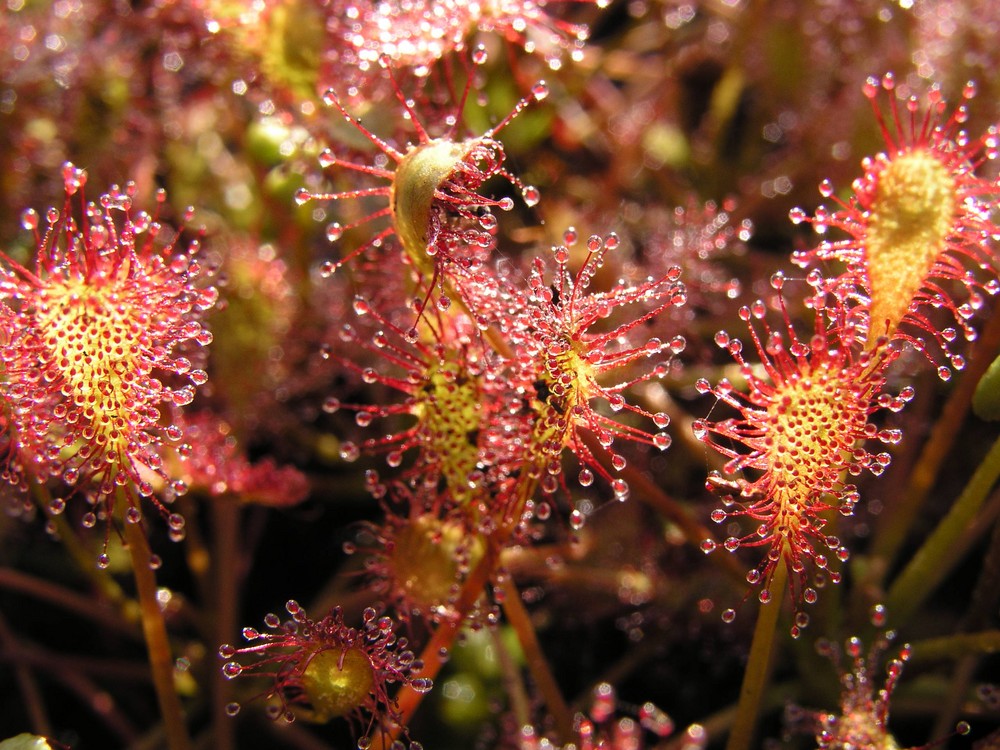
point(323, 669)
point(607, 727)
point(862, 718)
point(416, 34)
point(798, 430)
point(99, 329)
point(219, 467)
point(436, 208)
point(568, 343)
point(697, 237)
point(454, 390)
point(420, 562)
point(918, 224)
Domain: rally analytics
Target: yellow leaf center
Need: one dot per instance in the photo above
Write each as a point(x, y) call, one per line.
point(337, 682)
point(95, 339)
point(908, 228)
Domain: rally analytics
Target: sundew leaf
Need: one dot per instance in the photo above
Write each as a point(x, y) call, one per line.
point(26, 742)
point(986, 399)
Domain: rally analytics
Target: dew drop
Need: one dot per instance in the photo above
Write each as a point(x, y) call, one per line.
point(327, 158)
point(302, 196)
point(29, 219)
point(334, 231)
point(728, 615)
point(540, 90)
point(878, 615)
point(531, 195)
point(661, 440)
point(422, 685)
point(620, 488)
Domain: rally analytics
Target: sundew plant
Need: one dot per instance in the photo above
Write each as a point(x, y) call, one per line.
point(549, 375)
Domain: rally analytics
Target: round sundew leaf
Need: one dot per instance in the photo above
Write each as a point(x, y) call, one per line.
point(986, 399)
point(26, 742)
point(417, 179)
point(337, 682)
point(424, 559)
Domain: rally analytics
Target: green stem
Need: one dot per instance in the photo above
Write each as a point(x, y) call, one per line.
point(897, 521)
point(85, 561)
point(520, 705)
point(155, 630)
point(758, 670)
point(957, 646)
point(937, 556)
point(984, 601)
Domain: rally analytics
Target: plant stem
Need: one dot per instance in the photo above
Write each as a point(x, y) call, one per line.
point(954, 646)
point(226, 517)
point(758, 669)
point(934, 559)
point(520, 705)
point(519, 619)
point(85, 561)
point(649, 492)
point(155, 630)
point(897, 521)
point(434, 652)
point(27, 685)
point(985, 598)
point(82, 605)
